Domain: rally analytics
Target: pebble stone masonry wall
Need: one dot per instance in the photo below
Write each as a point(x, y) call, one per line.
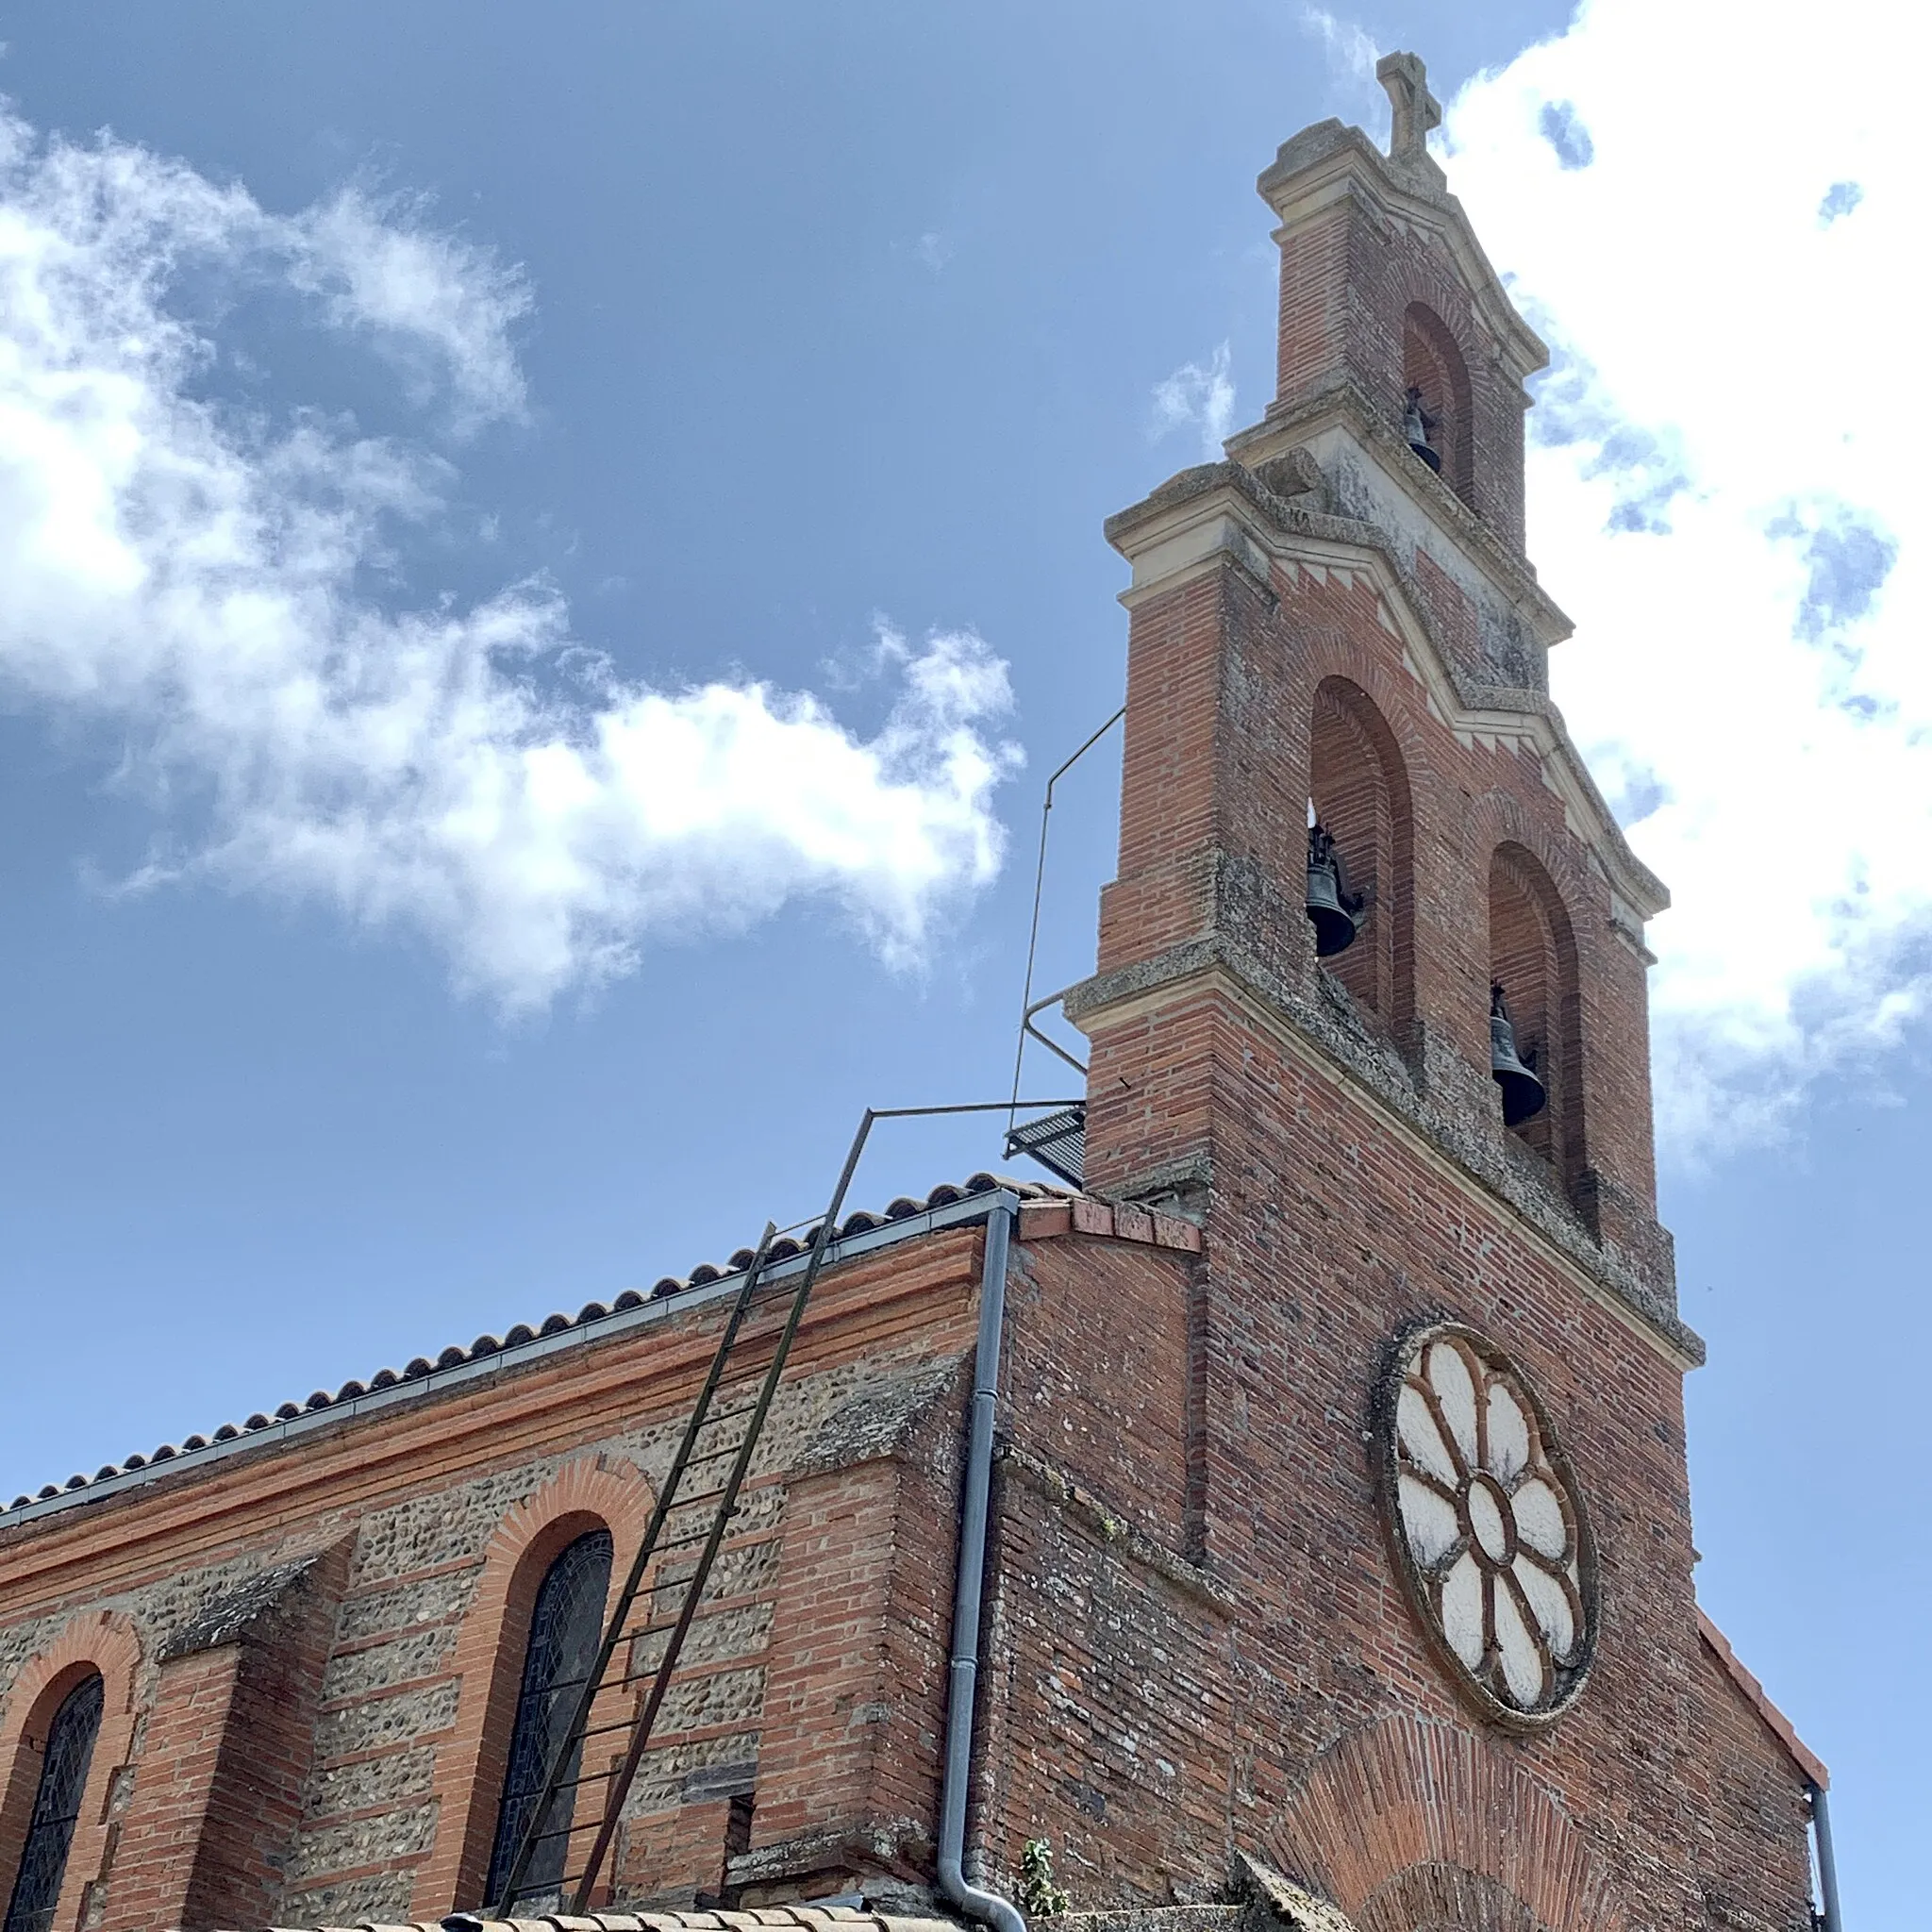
point(1200, 1670)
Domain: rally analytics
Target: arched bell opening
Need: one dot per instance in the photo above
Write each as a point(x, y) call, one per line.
point(1358, 799)
point(1435, 380)
point(1535, 1014)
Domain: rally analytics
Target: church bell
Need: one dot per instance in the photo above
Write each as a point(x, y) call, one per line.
point(1334, 911)
point(1416, 425)
point(1522, 1093)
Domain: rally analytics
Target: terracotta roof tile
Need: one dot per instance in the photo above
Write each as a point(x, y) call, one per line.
point(803, 1917)
point(1755, 1695)
point(786, 1248)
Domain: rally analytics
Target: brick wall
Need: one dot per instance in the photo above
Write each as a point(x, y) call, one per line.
point(312, 1636)
point(1152, 1704)
point(1193, 1636)
point(1250, 1671)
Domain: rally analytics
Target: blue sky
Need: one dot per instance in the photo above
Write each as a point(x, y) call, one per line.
point(755, 381)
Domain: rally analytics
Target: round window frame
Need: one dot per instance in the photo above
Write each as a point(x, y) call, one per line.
point(1405, 1349)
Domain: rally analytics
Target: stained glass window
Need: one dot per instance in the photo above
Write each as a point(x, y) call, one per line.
point(57, 1807)
point(565, 1628)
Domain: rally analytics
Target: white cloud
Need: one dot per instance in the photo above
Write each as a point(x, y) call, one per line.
point(189, 574)
point(424, 295)
point(1719, 229)
point(1352, 54)
point(1197, 394)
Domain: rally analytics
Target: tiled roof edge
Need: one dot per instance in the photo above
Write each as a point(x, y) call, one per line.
point(859, 1233)
point(1755, 1694)
point(803, 1917)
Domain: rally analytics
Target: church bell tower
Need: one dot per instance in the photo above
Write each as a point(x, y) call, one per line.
point(1370, 1009)
point(1339, 625)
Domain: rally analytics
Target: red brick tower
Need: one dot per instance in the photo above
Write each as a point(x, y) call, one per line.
point(1436, 1442)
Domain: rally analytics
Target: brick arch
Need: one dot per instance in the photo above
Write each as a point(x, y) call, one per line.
point(1423, 278)
point(1398, 696)
point(1358, 784)
point(102, 1641)
point(1390, 1812)
point(1444, 1898)
point(1501, 817)
point(592, 1492)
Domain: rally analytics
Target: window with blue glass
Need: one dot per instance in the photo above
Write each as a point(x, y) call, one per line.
point(566, 1625)
point(57, 1807)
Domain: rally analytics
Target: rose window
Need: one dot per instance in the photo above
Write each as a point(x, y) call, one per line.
point(1488, 1530)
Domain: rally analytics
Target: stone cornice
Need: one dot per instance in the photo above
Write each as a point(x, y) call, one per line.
point(1328, 1036)
point(1342, 405)
point(1204, 518)
point(1329, 162)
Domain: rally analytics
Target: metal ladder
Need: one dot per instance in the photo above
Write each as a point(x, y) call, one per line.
point(707, 1442)
point(564, 1775)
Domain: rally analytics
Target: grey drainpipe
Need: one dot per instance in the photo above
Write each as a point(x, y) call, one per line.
point(986, 1907)
point(1827, 1867)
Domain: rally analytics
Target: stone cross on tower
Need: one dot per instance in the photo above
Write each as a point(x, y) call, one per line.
point(1416, 110)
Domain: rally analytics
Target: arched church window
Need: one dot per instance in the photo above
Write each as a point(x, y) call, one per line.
point(1436, 380)
point(57, 1806)
point(566, 1625)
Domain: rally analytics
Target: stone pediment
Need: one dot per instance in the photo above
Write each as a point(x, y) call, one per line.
point(1221, 513)
point(1331, 162)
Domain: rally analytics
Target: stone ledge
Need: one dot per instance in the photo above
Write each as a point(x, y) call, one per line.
point(1332, 1034)
point(804, 1918)
point(254, 1611)
point(901, 1847)
point(1120, 1221)
point(1154, 1919)
point(1135, 1545)
point(878, 1419)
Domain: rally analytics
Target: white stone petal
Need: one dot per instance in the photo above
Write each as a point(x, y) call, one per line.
point(1549, 1602)
point(1449, 1377)
point(1523, 1663)
point(1486, 1521)
point(1508, 1434)
point(1429, 1520)
point(1462, 1610)
point(1540, 1519)
point(1422, 1439)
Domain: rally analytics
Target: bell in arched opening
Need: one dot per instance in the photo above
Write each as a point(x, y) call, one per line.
point(1416, 426)
point(1334, 911)
point(1522, 1093)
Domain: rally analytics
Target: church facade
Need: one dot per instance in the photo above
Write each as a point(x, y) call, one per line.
point(1287, 1522)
